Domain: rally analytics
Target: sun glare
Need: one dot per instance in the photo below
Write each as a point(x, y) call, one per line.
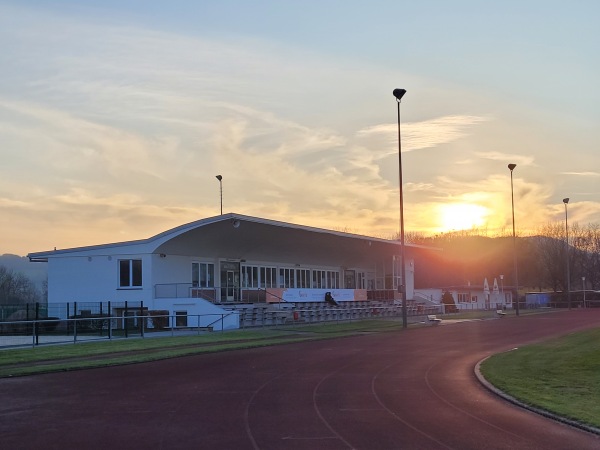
point(461, 216)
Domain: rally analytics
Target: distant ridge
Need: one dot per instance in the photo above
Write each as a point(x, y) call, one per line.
point(36, 272)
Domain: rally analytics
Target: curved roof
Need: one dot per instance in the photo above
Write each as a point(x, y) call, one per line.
point(238, 236)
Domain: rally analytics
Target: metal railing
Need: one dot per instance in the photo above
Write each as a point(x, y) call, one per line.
point(19, 333)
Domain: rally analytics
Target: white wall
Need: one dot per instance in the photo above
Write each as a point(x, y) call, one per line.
point(94, 279)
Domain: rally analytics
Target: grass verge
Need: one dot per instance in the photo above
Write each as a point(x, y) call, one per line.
point(54, 358)
point(561, 376)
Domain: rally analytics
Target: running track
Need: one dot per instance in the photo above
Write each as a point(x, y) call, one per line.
point(401, 390)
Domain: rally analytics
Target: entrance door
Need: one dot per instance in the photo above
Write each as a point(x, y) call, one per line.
point(230, 286)
point(349, 279)
point(230, 281)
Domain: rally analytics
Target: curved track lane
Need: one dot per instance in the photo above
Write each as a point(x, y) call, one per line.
point(401, 390)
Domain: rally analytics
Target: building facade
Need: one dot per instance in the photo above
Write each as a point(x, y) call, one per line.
point(231, 258)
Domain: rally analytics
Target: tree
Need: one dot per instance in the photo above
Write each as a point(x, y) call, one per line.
point(16, 288)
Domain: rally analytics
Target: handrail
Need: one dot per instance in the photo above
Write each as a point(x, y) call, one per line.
point(281, 299)
point(222, 319)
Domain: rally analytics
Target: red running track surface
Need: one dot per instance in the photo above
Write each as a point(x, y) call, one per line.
point(398, 390)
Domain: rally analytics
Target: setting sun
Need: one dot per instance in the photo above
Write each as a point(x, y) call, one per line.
point(461, 216)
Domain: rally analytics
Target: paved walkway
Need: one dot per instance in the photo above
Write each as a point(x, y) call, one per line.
point(408, 389)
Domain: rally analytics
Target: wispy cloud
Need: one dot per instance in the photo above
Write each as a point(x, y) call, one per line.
point(582, 174)
point(421, 135)
point(519, 160)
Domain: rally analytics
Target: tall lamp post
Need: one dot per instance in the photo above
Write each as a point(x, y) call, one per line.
point(511, 167)
point(220, 178)
point(583, 282)
point(566, 202)
point(399, 93)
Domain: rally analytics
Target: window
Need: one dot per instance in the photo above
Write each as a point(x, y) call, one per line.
point(181, 319)
point(286, 278)
point(360, 280)
point(326, 279)
point(130, 273)
point(303, 278)
point(249, 276)
point(203, 275)
point(268, 277)
point(463, 298)
point(259, 277)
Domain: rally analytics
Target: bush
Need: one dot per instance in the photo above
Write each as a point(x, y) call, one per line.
point(448, 302)
point(159, 319)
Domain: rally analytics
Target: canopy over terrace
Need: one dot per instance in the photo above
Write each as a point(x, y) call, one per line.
point(235, 237)
point(229, 248)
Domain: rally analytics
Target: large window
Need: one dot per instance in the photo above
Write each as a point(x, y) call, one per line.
point(325, 279)
point(268, 277)
point(203, 274)
point(463, 297)
point(249, 276)
point(303, 278)
point(130, 273)
point(286, 278)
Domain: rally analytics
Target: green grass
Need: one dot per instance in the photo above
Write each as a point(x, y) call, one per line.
point(53, 358)
point(561, 376)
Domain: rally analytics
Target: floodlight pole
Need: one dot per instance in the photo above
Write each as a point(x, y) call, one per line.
point(566, 202)
point(220, 178)
point(399, 93)
point(511, 167)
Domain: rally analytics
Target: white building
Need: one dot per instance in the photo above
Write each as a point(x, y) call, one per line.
point(482, 297)
point(200, 267)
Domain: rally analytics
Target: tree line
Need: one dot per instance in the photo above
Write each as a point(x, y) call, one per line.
point(16, 288)
point(467, 257)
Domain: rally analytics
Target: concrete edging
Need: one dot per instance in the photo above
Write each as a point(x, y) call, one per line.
point(489, 386)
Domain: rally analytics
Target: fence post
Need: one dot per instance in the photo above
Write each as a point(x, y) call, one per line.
point(74, 321)
point(126, 320)
point(109, 321)
point(36, 326)
point(101, 320)
point(143, 318)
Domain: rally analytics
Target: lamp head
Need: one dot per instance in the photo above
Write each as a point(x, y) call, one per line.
point(219, 177)
point(511, 167)
point(566, 200)
point(399, 93)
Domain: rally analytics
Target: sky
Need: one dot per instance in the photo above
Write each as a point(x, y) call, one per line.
point(116, 116)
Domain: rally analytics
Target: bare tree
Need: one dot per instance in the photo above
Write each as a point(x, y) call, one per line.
point(16, 288)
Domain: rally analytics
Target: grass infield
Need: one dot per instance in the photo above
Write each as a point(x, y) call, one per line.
point(561, 376)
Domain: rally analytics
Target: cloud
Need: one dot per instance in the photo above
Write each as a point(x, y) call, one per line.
point(582, 174)
point(420, 135)
point(519, 160)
